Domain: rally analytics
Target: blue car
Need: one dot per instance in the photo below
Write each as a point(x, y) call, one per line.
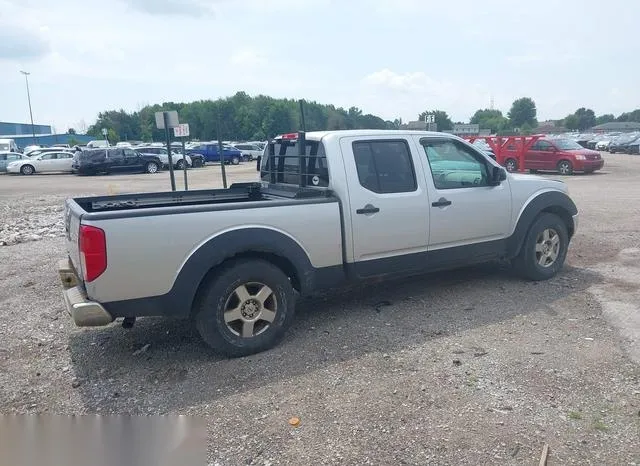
point(210, 152)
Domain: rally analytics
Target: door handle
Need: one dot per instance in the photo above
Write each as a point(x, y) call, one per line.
point(442, 202)
point(368, 209)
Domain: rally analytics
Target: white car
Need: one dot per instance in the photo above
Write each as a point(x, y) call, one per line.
point(163, 155)
point(603, 144)
point(48, 162)
point(249, 151)
point(98, 144)
point(124, 145)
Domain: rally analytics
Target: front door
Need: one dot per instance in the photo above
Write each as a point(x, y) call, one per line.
point(547, 155)
point(465, 209)
point(132, 160)
point(388, 206)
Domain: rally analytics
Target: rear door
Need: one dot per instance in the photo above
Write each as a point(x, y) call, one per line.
point(63, 161)
point(132, 160)
point(388, 205)
point(464, 208)
point(115, 160)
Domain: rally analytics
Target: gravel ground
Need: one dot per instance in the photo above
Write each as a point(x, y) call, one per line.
point(466, 367)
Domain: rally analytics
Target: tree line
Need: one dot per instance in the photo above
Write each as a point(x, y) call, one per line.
point(242, 117)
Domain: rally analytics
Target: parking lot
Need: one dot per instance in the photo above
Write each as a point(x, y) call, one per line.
point(466, 367)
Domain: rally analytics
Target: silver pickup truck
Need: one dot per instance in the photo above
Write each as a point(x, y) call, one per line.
point(330, 208)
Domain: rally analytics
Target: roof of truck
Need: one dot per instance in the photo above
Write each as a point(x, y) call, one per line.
point(371, 132)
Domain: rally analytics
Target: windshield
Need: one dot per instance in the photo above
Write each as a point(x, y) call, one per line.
point(567, 144)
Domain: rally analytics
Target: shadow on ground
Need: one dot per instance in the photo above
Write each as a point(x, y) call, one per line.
point(177, 370)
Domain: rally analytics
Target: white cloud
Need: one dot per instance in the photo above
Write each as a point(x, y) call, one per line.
point(174, 7)
point(248, 57)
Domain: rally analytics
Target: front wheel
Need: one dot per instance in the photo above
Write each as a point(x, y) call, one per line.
point(151, 167)
point(235, 160)
point(511, 165)
point(245, 308)
point(565, 167)
point(544, 249)
point(27, 170)
point(180, 165)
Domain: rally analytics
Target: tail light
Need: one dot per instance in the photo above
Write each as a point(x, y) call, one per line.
point(93, 252)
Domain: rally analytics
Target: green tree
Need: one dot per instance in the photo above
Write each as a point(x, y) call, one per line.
point(490, 119)
point(630, 116)
point(71, 131)
point(606, 118)
point(523, 111)
point(441, 118)
point(571, 122)
point(586, 118)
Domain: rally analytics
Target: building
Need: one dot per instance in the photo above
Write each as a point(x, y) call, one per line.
point(18, 129)
point(420, 126)
point(22, 134)
point(469, 129)
point(549, 127)
point(624, 126)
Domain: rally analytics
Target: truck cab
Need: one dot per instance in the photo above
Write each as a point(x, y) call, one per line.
point(210, 152)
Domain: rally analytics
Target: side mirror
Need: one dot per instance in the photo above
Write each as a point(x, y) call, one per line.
point(498, 175)
point(258, 160)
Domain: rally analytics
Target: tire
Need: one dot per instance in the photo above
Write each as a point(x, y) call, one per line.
point(565, 167)
point(511, 165)
point(222, 294)
point(544, 249)
point(180, 165)
point(533, 171)
point(151, 167)
point(235, 160)
point(27, 170)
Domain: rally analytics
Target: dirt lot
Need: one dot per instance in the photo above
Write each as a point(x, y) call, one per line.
point(467, 367)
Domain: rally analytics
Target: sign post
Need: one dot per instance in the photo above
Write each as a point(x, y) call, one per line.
point(182, 131)
point(105, 132)
point(166, 120)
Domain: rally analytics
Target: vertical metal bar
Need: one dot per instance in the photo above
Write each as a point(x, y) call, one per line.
point(165, 116)
point(184, 159)
point(221, 151)
point(302, 152)
point(272, 161)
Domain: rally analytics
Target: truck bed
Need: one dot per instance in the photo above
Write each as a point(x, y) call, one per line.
point(237, 193)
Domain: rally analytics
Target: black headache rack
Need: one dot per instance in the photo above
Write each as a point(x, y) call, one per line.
point(303, 171)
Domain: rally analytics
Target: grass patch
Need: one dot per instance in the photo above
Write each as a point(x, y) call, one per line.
point(599, 425)
point(575, 415)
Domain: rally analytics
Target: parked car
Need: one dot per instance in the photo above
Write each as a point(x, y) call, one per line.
point(178, 159)
point(485, 147)
point(62, 146)
point(8, 145)
point(249, 151)
point(111, 160)
point(30, 148)
point(7, 157)
point(619, 144)
point(554, 154)
point(47, 162)
point(44, 150)
point(98, 143)
point(370, 205)
point(209, 150)
point(123, 144)
point(633, 147)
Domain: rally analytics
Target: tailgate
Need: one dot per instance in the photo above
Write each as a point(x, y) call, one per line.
point(72, 216)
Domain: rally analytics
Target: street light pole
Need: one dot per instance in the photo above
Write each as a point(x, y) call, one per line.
point(33, 128)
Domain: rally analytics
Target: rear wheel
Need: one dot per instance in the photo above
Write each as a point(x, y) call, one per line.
point(565, 167)
point(544, 249)
point(235, 160)
point(180, 165)
point(151, 167)
point(245, 308)
point(27, 170)
point(511, 165)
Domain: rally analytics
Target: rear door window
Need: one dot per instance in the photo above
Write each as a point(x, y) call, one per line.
point(385, 167)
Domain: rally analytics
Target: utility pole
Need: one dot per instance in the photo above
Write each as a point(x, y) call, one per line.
point(33, 128)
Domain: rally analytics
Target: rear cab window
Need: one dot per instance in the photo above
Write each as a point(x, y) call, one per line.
point(280, 163)
point(385, 167)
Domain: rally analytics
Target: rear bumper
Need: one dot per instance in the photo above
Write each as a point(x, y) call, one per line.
point(85, 313)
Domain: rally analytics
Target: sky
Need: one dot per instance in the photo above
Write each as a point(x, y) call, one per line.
point(392, 58)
